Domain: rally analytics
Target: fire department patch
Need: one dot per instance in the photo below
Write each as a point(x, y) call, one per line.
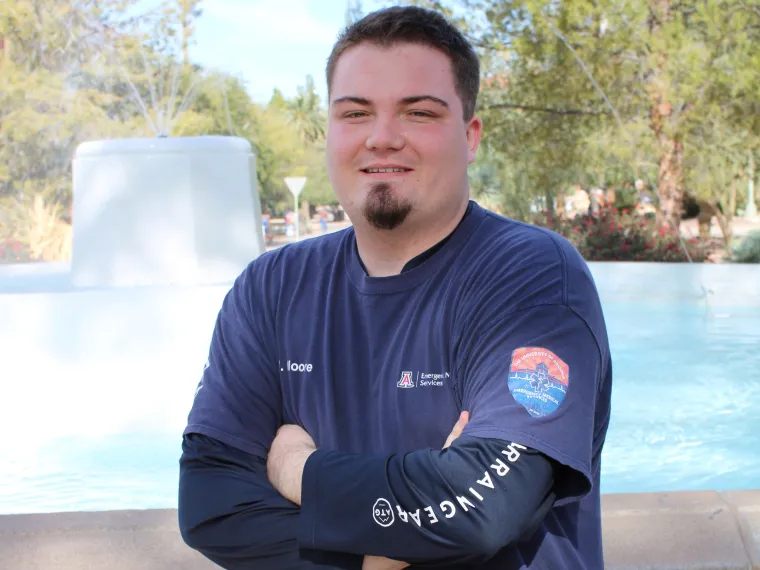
point(538, 380)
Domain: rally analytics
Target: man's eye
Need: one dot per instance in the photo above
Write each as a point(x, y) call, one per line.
point(426, 114)
point(355, 115)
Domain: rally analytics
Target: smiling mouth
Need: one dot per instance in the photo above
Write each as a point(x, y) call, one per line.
point(385, 170)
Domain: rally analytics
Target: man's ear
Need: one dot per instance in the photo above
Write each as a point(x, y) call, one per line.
point(474, 132)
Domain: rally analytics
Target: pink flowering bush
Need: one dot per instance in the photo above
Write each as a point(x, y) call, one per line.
point(613, 235)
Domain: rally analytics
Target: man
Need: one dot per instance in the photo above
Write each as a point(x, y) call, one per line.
point(339, 365)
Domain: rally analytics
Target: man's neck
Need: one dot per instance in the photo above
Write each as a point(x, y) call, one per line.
point(385, 252)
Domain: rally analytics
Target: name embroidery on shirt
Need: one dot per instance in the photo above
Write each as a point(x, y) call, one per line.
point(297, 367)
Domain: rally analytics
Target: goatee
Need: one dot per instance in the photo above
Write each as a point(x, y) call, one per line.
point(383, 210)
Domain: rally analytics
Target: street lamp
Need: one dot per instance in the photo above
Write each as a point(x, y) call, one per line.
point(295, 185)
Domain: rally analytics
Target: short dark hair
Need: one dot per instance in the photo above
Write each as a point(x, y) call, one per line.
point(412, 24)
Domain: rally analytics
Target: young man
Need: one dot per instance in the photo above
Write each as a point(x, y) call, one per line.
point(338, 365)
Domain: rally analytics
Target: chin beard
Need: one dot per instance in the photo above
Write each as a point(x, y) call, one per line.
point(383, 210)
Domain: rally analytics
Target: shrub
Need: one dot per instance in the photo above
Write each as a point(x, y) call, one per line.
point(38, 227)
point(748, 250)
point(613, 235)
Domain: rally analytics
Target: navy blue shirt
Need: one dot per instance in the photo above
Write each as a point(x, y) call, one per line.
point(503, 320)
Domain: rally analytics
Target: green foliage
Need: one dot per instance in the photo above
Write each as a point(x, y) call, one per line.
point(748, 250)
point(613, 235)
point(289, 140)
point(497, 185)
point(572, 90)
point(305, 114)
point(78, 71)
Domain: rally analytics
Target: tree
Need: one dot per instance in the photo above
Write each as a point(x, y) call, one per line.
point(85, 70)
point(280, 152)
point(50, 99)
point(592, 91)
point(305, 113)
point(189, 12)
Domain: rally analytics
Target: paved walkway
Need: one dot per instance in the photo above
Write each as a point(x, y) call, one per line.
point(686, 530)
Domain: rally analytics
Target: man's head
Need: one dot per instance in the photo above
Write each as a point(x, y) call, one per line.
point(410, 24)
point(403, 84)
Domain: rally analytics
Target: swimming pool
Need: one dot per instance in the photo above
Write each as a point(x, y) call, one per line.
point(685, 417)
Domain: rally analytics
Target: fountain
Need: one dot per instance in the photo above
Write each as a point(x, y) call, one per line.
point(164, 211)
point(161, 228)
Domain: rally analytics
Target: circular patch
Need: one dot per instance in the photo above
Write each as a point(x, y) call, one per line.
point(538, 380)
point(382, 512)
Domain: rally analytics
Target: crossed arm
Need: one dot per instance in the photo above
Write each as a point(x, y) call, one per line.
point(296, 522)
point(287, 459)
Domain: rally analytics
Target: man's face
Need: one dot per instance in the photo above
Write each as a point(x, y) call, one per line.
point(397, 145)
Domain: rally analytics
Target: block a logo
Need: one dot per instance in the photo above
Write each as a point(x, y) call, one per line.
point(406, 380)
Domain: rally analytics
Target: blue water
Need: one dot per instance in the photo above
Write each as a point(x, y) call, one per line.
point(685, 417)
point(686, 398)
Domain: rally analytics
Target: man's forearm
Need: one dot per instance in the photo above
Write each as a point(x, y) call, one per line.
point(230, 513)
point(455, 506)
point(285, 471)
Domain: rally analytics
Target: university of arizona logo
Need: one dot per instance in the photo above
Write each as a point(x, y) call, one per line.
point(406, 380)
point(538, 380)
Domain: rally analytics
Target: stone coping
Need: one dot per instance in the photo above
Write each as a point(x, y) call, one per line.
point(703, 530)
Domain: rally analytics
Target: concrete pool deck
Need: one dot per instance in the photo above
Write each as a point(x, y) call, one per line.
point(687, 530)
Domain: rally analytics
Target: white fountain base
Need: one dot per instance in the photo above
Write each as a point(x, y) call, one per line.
point(164, 211)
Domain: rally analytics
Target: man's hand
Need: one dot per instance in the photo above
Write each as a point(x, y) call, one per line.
point(464, 417)
point(287, 457)
point(382, 563)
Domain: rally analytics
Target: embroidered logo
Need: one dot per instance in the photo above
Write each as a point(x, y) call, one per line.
point(406, 380)
point(538, 380)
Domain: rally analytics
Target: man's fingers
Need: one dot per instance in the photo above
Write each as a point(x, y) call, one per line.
point(464, 417)
point(381, 563)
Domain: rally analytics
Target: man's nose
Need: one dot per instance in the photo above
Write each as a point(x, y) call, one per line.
point(386, 134)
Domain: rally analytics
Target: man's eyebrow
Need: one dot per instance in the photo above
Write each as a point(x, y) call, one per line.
point(418, 98)
point(405, 101)
point(352, 99)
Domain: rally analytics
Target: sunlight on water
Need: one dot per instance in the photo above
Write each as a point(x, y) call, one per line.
point(685, 398)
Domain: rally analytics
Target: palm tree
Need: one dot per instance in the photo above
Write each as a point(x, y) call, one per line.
point(305, 113)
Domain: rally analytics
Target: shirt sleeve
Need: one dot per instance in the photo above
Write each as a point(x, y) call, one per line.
point(230, 513)
point(460, 505)
point(533, 378)
point(238, 400)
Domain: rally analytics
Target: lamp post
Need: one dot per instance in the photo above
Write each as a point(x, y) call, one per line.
point(295, 185)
